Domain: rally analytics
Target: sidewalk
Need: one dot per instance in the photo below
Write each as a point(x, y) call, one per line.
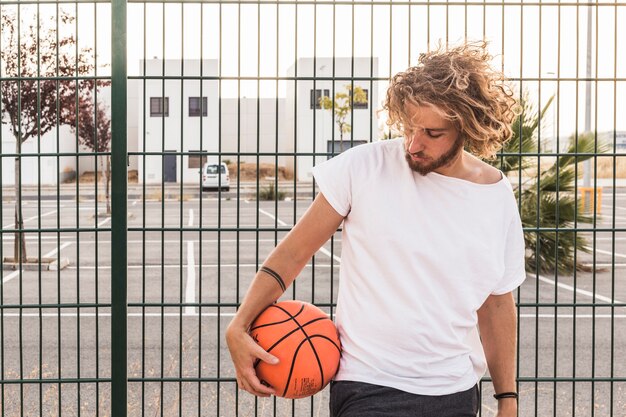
point(87, 191)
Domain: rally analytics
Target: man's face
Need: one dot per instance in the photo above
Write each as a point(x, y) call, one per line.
point(431, 142)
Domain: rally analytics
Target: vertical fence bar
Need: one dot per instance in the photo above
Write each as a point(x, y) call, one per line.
point(19, 218)
point(58, 136)
point(200, 219)
point(613, 225)
point(2, 336)
point(39, 281)
point(180, 209)
point(97, 234)
point(78, 200)
point(143, 218)
point(594, 203)
point(119, 233)
point(574, 327)
point(164, 100)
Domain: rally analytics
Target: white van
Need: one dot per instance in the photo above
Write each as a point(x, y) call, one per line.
point(211, 179)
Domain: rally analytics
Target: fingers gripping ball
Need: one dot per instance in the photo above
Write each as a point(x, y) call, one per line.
point(305, 341)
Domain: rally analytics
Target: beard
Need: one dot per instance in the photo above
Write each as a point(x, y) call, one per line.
point(429, 165)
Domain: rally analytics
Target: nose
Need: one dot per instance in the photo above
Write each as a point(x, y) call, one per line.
point(415, 143)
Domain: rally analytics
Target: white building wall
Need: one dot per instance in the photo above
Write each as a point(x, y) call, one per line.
point(314, 128)
point(177, 132)
point(132, 123)
point(63, 140)
point(255, 127)
point(44, 170)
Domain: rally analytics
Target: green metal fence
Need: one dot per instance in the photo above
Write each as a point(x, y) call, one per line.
point(124, 313)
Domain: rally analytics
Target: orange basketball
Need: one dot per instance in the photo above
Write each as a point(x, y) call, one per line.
point(305, 341)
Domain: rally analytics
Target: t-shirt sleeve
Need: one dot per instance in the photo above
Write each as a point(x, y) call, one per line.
point(514, 261)
point(334, 179)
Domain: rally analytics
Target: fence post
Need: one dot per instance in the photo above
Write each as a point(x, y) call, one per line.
point(119, 179)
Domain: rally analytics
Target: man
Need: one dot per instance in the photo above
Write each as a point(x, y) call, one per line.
point(432, 247)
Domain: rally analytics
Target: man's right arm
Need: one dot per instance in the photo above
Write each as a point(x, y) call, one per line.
point(315, 227)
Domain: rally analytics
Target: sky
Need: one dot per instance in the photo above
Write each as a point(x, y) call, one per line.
point(252, 40)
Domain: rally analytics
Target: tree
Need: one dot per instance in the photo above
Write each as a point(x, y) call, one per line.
point(547, 198)
point(342, 106)
point(29, 97)
point(94, 131)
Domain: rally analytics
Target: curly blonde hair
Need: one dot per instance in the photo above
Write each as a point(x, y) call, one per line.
point(467, 91)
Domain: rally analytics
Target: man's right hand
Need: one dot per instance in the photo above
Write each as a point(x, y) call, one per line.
point(244, 352)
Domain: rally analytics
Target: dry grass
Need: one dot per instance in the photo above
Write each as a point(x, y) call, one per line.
point(88, 177)
point(605, 167)
point(249, 171)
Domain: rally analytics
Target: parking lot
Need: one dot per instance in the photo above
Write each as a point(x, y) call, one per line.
point(189, 264)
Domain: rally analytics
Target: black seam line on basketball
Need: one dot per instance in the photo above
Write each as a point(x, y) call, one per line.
point(274, 275)
point(293, 362)
point(307, 338)
point(329, 339)
point(315, 352)
point(289, 334)
point(275, 322)
point(278, 322)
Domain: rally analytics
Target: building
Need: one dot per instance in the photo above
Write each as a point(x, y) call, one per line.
point(172, 118)
point(316, 134)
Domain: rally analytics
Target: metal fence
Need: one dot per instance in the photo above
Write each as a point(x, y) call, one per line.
point(124, 313)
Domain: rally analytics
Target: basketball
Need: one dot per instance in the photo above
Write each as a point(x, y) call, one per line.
point(305, 341)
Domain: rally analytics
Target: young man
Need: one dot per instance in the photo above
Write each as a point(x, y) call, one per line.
point(432, 247)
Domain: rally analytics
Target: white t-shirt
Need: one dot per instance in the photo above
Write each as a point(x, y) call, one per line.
point(420, 255)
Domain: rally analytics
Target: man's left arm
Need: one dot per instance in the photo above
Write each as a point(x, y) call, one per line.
point(497, 322)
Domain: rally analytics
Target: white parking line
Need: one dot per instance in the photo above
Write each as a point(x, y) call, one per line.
point(159, 266)
point(10, 236)
point(327, 253)
point(54, 252)
point(608, 218)
point(605, 265)
point(270, 215)
point(10, 276)
point(282, 223)
point(190, 224)
point(12, 225)
point(103, 222)
point(578, 290)
point(190, 291)
point(225, 315)
point(604, 252)
point(571, 316)
point(47, 255)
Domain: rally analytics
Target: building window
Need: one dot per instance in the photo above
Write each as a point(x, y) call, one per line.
point(358, 105)
point(196, 106)
point(159, 106)
point(196, 161)
point(316, 95)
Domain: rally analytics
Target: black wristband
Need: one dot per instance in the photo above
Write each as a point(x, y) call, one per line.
point(506, 395)
point(274, 275)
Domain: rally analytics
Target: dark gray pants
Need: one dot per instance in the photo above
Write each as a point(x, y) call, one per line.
point(358, 399)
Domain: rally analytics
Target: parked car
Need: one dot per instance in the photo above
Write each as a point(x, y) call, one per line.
point(211, 179)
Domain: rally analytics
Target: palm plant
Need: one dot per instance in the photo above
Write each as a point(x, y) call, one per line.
point(546, 192)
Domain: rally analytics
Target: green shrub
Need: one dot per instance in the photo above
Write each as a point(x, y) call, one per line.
point(271, 193)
